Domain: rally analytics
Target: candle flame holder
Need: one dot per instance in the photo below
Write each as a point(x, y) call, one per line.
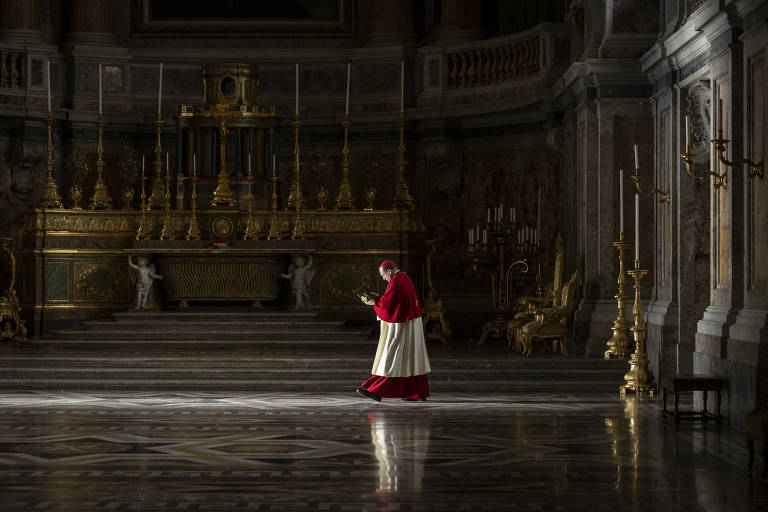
point(51, 197)
point(618, 345)
point(639, 377)
point(720, 180)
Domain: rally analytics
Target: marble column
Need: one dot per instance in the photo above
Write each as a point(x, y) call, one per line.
point(460, 21)
point(391, 22)
point(20, 21)
point(90, 22)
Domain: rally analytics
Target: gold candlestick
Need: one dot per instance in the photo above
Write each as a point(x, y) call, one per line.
point(251, 231)
point(100, 200)
point(298, 226)
point(403, 199)
point(51, 197)
point(618, 345)
point(721, 180)
point(193, 233)
point(167, 232)
point(274, 230)
point(143, 231)
point(721, 146)
point(344, 201)
point(639, 377)
point(157, 197)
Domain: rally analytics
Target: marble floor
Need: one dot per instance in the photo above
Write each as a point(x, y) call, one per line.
point(305, 451)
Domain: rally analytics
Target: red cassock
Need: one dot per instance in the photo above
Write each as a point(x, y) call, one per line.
point(401, 364)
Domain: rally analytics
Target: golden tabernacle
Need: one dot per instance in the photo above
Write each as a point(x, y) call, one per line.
point(212, 224)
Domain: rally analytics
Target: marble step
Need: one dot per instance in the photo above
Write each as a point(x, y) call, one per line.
point(200, 340)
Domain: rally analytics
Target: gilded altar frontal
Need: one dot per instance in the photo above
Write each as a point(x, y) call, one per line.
point(383, 255)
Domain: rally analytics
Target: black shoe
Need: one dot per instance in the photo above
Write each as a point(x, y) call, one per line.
point(368, 394)
point(409, 399)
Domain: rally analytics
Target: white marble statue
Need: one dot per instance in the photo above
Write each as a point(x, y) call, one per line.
point(301, 273)
point(144, 279)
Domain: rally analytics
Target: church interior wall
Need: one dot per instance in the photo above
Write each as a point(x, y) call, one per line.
point(612, 80)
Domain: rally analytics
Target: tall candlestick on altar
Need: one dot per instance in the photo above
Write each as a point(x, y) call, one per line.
point(349, 71)
point(538, 210)
point(402, 84)
point(274, 165)
point(167, 162)
point(687, 131)
point(99, 87)
point(160, 90)
point(637, 159)
point(621, 200)
point(249, 162)
point(194, 162)
point(49, 86)
point(297, 89)
point(637, 226)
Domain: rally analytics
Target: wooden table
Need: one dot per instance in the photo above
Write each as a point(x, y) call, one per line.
point(692, 382)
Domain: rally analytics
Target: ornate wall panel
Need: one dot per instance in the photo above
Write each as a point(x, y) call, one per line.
point(756, 208)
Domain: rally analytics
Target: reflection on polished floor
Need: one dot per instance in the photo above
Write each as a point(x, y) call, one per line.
point(305, 451)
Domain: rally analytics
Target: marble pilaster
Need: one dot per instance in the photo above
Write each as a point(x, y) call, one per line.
point(20, 21)
point(90, 22)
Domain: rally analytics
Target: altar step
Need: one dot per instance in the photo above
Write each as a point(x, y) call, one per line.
point(211, 327)
point(281, 368)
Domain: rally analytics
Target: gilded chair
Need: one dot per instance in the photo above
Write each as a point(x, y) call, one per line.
point(552, 323)
point(530, 304)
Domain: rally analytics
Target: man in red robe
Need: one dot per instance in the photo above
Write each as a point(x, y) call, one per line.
point(401, 364)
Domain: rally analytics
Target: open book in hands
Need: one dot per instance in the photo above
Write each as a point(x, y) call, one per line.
point(366, 296)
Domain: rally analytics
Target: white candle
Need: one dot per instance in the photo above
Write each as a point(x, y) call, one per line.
point(637, 227)
point(143, 158)
point(49, 86)
point(249, 162)
point(194, 162)
point(402, 84)
point(485, 237)
point(637, 159)
point(160, 90)
point(297, 89)
point(687, 132)
point(167, 162)
point(349, 71)
point(274, 165)
point(512, 214)
point(470, 237)
point(501, 212)
point(538, 210)
point(489, 215)
point(621, 200)
point(100, 88)
point(477, 232)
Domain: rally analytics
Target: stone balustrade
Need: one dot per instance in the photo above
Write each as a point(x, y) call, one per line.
point(12, 69)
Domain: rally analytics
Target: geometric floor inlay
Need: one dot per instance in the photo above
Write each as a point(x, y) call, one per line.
point(304, 451)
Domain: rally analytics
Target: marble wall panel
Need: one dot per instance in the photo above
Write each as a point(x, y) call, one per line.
point(739, 383)
point(757, 191)
point(634, 16)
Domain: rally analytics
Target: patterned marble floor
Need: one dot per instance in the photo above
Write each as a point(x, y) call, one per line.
point(275, 452)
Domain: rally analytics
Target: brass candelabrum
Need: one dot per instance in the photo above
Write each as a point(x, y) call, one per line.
point(193, 233)
point(720, 180)
point(167, 232)
point(403, 199)
point(618, 345)
point(664, 195)
point(498, 252)
point(274, 227)
point(100, 199)
point(11, 324)
point(157, 196)
point(251, 230)
point(639, 378)
point(344, 201)
point(721, 146)
point(51, 197)
point(143, 230)
point(298, 225)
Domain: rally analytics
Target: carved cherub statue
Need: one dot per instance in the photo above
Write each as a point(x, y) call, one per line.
point(301, 273)
point(145, 277)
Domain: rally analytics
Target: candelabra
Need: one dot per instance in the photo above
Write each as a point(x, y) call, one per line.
point(618, 345)
point(143, 231)
point(499, 258)
point(639, 377)
point(251, 230)
point(344, 200)
point(167, 232)
point(720, 180)
point(664, 195)
point(721, 146)
point(51, 197)
point(157, 197)
point(403, 199)
point(100, 198)
point(193, 233)
point(298, 226)
point(274, 229)
point(223, 193)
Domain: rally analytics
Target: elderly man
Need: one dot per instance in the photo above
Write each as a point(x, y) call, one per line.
point(401, 365)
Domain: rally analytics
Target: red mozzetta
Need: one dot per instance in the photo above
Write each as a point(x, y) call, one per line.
point(399, 303)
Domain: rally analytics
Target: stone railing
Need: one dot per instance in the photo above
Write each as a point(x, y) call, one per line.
point(12, 69)
point(450, 72)
point(494, 61)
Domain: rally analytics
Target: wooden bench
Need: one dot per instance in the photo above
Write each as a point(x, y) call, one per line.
point(692, 382)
